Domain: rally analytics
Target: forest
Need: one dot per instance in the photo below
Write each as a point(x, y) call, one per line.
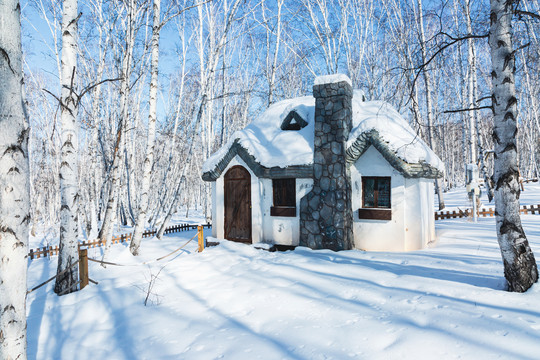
point(125, 99)
point(221, 63)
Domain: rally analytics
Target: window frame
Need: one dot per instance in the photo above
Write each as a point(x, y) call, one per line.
point(375, 212)
point(282, 205)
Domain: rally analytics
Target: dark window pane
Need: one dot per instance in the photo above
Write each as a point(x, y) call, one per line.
point(284, 192)
point(369, 192)
point(383, 199)
point(376, 192)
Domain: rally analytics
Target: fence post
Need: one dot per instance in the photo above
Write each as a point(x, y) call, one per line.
point(201, 238)
point(83, 267)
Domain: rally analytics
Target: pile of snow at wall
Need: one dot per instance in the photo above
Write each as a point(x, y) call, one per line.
point(233, 301)
point(271, 146)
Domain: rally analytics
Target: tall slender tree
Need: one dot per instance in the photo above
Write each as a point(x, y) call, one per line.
point(69, 176)
point(152, 115)
point(520, 267)
point(428, 87)
point(14, 186)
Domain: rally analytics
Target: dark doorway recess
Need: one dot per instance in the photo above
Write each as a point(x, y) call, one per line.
point(238, 205)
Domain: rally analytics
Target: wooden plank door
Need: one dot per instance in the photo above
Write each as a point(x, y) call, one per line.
point(238, 205)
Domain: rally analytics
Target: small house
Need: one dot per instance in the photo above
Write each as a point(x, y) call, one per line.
point(331, 171)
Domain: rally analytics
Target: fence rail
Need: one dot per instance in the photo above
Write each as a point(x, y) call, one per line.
point(440, 215)
point(49, 251)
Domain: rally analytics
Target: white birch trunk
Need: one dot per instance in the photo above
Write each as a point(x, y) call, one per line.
point(428, 85)
point(475, 140)
point(69, 187)
point(14, 187)
point(152, 114)
point(471, 85)
point(107, 225)
point(520, 267)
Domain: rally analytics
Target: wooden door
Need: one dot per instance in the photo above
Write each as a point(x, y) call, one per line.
point(238, 205)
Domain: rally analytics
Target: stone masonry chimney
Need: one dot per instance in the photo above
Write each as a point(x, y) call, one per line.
point(326, 211)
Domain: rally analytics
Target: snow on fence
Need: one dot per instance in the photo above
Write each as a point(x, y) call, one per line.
point(53, 250)
point(84, 278)
point(439, 215)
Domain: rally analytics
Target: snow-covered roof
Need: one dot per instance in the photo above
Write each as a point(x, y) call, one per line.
point(333, 78)
point(265, 146)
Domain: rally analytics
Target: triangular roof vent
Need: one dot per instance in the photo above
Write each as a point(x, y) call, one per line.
point(293, 121)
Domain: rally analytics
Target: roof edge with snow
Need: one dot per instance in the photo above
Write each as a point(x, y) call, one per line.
point(409, 170)
point(293, 171)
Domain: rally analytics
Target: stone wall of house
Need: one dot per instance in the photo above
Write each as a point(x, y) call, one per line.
point(325, 212)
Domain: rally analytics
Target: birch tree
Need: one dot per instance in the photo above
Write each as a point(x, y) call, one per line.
point(14, 186)
point(520, 267)
point(69, 188)
point(152, 114)
point(428, 87)
point(106, 231)
point(476, 145)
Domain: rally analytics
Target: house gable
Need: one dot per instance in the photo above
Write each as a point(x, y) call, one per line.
point(372, 138)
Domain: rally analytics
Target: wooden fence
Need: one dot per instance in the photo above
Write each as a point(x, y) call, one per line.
point(53, 250)
point(525, 209)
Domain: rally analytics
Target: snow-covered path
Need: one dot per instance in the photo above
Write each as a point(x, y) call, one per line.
point(236, 302)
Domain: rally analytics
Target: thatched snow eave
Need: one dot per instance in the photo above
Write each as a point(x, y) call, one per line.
point(292, 171)
point(409, 170)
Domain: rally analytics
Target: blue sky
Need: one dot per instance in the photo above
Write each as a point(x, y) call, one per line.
point(39, 58)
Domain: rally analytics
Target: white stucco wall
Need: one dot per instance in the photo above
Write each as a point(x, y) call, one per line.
point(420, 220)
point(278, 229)
point(215, 220)
point(412, 226)
point(378, 235)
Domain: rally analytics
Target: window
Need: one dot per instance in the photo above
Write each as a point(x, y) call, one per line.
point(293, 121)
point(376, 202)
point(284, 196)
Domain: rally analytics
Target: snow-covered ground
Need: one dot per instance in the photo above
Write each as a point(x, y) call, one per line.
point(236, 302)
point(458, 198)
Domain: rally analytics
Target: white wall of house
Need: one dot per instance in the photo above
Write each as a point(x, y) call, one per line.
point(412, 226)
point(280, 229)
point(419, 217)
point(378, 235)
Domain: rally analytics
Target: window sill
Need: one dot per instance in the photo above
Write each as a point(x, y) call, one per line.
point(285, 211)
point(375, 214)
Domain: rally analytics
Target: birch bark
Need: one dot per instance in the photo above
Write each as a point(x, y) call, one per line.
point(428, 85)
point(475, 140)
point(14, 186)
point(152, 114)
point(107, 226)
point(69, 188)
point(520, 267)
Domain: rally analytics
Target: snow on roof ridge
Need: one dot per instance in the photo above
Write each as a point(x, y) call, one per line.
point(332, 78)
point(270, 146)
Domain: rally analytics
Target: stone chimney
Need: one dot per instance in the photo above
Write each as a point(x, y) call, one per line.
point(326, 212)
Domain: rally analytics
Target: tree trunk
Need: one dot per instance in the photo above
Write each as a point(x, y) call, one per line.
point(152, 114)
point(520, 267)
point(69, 188)
point(106, 228)
point(14, 187)
point(475, 140)
point(428, 85)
